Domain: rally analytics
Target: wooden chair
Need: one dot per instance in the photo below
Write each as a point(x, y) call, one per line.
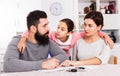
point(112, 60)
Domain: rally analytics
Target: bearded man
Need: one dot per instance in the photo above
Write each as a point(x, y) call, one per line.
point(38, 45)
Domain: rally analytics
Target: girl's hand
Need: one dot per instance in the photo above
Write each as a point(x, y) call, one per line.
point(69, 63)
point(66, 63)
point(22, 44)
point(109, 41)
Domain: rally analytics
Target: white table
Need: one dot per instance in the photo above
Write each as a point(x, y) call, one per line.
point(94, 70)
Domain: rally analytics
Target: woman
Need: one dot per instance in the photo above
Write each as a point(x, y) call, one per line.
point(90, 49)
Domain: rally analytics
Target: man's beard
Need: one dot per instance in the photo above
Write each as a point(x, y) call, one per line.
point(42, 39)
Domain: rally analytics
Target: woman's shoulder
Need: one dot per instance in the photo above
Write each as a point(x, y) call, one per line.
point(101, 42)
point(80, 40)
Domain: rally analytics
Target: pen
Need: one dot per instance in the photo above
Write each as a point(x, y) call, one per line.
point(76, 69)
point(81, 67)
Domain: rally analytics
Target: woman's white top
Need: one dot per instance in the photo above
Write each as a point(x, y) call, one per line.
point(83, 50)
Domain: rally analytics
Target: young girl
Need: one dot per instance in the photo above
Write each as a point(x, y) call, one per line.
point(64, 36)
point(90, 49)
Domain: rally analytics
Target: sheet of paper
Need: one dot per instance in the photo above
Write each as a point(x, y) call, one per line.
point(56, 69)
point(71, 67)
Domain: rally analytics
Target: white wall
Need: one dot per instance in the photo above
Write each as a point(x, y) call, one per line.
point(67, 11)
point(23, 8)
point(7, 21)
point(13, 18)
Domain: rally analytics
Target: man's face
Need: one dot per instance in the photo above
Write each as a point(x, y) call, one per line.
point(41, 34)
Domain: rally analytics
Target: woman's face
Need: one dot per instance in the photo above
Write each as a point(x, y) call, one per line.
point(90, 27)
point(62, 30)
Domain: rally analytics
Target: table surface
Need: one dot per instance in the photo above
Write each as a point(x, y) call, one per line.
point(92, 70)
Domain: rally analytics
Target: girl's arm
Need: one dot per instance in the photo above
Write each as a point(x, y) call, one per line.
point(22, 43)
point(107, 39)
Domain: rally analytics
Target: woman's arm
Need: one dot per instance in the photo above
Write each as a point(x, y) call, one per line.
point(90, 61)
point(101, 58)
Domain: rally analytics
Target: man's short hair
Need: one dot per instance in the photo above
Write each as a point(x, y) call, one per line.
point(34, 16)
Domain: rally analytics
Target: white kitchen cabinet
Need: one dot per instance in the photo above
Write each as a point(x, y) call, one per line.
point(110, 20)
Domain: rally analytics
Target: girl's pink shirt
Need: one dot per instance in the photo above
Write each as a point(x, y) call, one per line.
point(75, 37)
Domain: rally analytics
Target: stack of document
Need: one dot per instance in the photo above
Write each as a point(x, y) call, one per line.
point(68, 68)
point(57, 69)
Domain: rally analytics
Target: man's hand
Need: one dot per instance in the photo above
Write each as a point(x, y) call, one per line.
point(50, 64)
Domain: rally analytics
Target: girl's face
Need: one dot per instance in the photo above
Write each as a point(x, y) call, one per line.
point(90, 27)
point(62, 31)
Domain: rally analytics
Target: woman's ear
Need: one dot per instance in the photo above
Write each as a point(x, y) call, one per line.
point(33, 29)
point(99, 27)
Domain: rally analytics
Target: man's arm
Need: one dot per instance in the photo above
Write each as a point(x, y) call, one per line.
point(12, 63)
point(57, 52)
